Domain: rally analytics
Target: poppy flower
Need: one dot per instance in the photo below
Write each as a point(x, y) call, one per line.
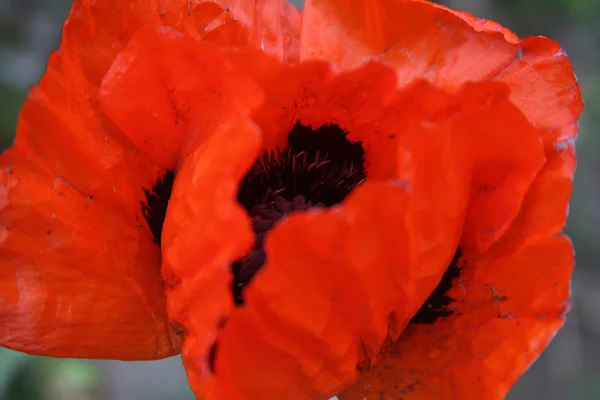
point(366, 199)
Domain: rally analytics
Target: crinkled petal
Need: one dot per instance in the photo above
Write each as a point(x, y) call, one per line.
point(419, 38)
point(315, 318)
point(425, 40)
point(85, 159)
point(541, 80)
point(507, 155)
point(94, 37)
point(96, 31)
point(507, 310)
point(543, 85)
point(78, 277)
point(508, 304)
point(164, 93)
point(99, 235)
point(486, 25)
point(204, 227)
point(204, 232)
point(273, 26)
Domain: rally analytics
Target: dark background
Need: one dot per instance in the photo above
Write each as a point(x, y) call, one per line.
point(30, 29)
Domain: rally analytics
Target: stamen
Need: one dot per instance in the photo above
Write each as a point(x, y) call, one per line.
point(289, 173)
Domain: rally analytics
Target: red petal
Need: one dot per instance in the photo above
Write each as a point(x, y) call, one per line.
point(311, 310)
point(508, 307)
point(541, 79)
point(88, 292)
point(420, 39)
point(76, 174)
point(137, 95)
point(425, 40)
point(205, 227)
point(205, 230)
point(545, 208)
point(544, 87)
point(78, 278)
point(273, 26)
point(507, 157)
point(96, 32)
point(163, 82)
point(509, 303)
point(485, 25)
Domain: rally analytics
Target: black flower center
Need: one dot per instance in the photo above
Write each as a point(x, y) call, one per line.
point(157, 201)
point(437, 304)
point(321, 165)
point(319, 168)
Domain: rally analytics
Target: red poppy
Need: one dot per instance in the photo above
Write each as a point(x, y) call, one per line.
point(364, 200)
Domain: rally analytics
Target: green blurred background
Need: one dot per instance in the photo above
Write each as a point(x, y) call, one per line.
point(569, 369)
